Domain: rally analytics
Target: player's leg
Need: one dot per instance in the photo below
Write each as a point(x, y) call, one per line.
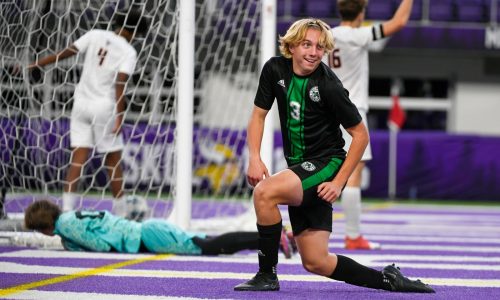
point(79, 157)
point(351, 204)
point(115, 173)
point(81, 144)
point(351, 199)
point(228, 243)
point(313, 248)
point(232, 242)
point(112, 144)
point(284, 187)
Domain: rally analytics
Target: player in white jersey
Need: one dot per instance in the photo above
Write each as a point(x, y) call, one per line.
point(99, 103)
point(349, 61)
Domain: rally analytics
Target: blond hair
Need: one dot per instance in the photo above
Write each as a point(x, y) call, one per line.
point(297, 33)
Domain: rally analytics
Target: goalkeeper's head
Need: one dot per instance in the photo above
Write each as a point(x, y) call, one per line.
point(41, 216)
point(132, 20)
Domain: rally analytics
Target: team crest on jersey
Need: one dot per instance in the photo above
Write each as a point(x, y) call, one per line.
point(308, 166)
point(314, 94)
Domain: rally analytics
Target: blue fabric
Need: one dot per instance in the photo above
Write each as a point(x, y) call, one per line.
point(160, 236)
point(98, 231)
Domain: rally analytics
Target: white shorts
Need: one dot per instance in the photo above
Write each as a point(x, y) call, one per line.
point(91, 125)
point(367, 155)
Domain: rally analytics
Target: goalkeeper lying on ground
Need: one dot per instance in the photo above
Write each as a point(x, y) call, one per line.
point(102, 231)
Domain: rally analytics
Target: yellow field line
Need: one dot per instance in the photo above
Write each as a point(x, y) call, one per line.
point(86, 273)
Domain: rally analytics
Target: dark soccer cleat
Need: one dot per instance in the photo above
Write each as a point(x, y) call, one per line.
point(399, 283)
point(260, 282)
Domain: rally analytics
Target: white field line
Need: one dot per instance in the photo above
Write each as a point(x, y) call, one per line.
point(20, 269)
point(49, 295)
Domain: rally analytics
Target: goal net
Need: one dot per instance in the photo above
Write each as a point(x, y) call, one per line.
point(35, 106)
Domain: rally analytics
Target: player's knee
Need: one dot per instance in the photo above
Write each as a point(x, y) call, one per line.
point(262, 194)
point(312, 265)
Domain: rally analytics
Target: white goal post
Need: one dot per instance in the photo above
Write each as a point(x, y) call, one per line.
point(181, 214)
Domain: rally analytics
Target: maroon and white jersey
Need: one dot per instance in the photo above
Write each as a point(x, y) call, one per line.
point(349, 59)
point(106, 55)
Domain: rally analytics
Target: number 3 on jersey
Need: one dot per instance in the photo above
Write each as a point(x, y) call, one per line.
point(334, 59)
point(295, 110)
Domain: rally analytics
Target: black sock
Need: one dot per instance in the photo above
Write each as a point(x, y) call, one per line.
point(228, 243)
point(351, 272)
point(269, 242)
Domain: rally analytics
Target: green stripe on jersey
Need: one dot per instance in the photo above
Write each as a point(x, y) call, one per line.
point(295, 119)
point(323, 174)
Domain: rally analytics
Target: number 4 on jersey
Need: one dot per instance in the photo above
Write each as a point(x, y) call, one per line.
point(102, 54)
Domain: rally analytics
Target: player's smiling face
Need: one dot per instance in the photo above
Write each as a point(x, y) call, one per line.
point(306, 55)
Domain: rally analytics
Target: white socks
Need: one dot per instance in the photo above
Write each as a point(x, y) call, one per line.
point(120, 207)
point(351, 204)
point(70, 201)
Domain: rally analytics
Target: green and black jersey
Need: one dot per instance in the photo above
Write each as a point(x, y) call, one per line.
point(311, 108)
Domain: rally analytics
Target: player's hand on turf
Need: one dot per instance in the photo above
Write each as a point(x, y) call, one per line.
point(256, 172)
point(329, 191)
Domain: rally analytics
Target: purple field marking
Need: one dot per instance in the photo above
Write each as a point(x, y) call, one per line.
point(8, 280)
point(61, 262)
point(214, 289)
point(5, 249)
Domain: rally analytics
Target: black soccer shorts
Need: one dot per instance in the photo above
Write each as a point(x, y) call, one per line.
point(314, 212)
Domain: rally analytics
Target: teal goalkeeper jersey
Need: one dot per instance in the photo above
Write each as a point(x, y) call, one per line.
point(101, 231)
point(98, 231)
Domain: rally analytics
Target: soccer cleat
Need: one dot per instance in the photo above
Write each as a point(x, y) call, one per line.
point(260, 282)
point(285, 244)
point(360, 243)
point(399, 283)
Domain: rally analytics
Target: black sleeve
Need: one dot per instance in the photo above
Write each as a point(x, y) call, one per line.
point(265, 93)
point(345, 111)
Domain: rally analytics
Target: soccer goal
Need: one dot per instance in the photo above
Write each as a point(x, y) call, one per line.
point(206, 175)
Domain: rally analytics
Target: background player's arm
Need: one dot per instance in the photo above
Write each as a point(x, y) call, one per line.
point(121, 81)
point(330, 191)
point(256, 168)
point(68, 52)
point(400, 18)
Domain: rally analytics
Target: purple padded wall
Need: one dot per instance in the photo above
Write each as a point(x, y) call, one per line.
point(471, 10)
point(441, 10)
point(379, 10)
point(320, 9)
